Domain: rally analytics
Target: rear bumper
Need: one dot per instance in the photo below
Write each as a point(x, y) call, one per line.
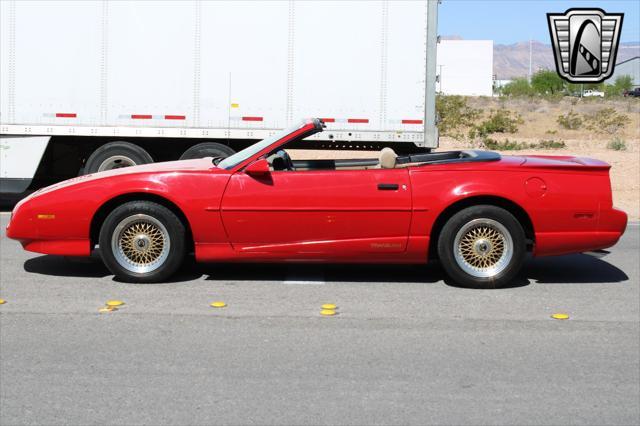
point(611, 225)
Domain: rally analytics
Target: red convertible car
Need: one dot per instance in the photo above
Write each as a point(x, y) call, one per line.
point(476, 212)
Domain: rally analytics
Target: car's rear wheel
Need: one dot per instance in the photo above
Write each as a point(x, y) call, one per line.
point(142, 241)
point(482, 247)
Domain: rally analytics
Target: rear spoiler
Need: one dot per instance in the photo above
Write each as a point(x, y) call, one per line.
point(565, 162)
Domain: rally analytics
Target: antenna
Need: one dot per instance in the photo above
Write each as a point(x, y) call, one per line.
point(229, 111)
point(530, 57)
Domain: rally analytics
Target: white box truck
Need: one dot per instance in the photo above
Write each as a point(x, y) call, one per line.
point(95, 85)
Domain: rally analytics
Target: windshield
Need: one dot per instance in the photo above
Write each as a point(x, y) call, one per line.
point(239, 157)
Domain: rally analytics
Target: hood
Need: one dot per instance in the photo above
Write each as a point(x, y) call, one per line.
point(200, 164)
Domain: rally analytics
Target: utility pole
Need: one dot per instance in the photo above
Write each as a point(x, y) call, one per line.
point(530, 57)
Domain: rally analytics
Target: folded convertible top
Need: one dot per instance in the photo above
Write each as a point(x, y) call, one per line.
point(449, 157)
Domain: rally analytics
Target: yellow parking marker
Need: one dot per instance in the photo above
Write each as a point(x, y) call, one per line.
point(114, 303)
point(560, 316)
point(327, 312)
point(329, 307)
point(2, 301)
point(218, 304)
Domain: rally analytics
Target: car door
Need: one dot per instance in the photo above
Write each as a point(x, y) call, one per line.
point(323, 213)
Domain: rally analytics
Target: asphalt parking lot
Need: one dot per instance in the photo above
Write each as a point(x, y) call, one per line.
point(405, 348)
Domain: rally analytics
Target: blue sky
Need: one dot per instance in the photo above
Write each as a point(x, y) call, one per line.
point(511, 21)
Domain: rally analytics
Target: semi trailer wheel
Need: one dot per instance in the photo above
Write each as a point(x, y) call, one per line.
point(207, 149)
point(116, 155)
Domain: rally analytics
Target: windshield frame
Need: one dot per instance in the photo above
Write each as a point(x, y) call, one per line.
point(243, 158)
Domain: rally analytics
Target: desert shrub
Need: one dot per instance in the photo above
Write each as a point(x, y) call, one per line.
point(551, 132)
point(549, 144)
point(499, 121)
point(617, 144)
point(454, 114)
point(606, 120)
point(570, 120)
point(525, 104)
point(505, 145)
point(611, 90)
point(630, 105)
point(622, 83)
point(518, 87)
point(509, 145)
point(547, 82)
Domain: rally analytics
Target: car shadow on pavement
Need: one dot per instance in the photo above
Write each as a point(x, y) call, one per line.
point(310, 273)
point(92, 267)
point(60, 266)
point(573, 269)
point(570, 269)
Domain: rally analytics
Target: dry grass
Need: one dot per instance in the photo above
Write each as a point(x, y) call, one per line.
point(540, 115)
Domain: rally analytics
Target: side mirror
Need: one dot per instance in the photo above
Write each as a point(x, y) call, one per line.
point(258, 168)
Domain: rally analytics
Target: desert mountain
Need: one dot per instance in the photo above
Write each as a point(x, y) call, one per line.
point(512, 60)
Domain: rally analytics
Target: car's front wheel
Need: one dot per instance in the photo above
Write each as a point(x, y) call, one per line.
point(142, 241)
point(482, 247)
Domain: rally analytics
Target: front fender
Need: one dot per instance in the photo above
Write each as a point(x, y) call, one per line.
point(58, 221)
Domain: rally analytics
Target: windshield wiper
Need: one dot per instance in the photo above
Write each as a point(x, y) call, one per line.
point(216, 160)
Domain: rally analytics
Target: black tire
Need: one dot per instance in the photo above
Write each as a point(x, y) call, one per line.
point(118, 154)
point(207, 149)
point(482, 217)
point(141, 211)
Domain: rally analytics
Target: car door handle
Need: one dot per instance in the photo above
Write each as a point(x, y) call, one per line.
point(388, 186)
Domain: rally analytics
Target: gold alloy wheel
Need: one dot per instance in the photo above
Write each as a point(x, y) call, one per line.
point(483, 248)
point(140, 243)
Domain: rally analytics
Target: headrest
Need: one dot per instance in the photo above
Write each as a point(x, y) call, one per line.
point(387, 158)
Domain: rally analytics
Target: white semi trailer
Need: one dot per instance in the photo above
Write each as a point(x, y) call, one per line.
point(95, 85)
